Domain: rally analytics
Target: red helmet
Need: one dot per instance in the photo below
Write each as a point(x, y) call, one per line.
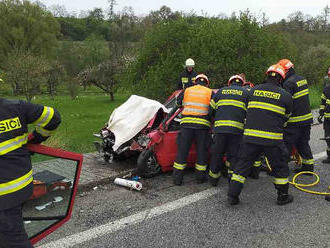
point(236, 78)
point(276, 69)
point(286, 64)
point(202, 78)
point(248, 84)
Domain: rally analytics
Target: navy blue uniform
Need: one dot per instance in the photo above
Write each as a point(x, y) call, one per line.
point(16, 181)
point(229, 108)
point(297, 132)
point(269, 107)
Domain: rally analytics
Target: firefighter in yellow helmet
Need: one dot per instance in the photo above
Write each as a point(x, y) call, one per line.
point(195, 127)
point(16, 180)
point(188, 76)
point(269, 107)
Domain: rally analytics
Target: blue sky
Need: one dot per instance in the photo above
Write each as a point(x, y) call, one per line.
point(275, 9)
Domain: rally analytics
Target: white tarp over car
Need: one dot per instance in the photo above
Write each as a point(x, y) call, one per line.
point(131, 117)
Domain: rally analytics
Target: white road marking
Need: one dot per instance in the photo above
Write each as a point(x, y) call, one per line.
point(117, 225)
point(114, 226)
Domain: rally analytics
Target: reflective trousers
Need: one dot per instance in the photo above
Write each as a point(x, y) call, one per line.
point(12, 231)
point(224, 143)
point(248, 154)
point(299, 137)
point(186, 137)
point(326, 127)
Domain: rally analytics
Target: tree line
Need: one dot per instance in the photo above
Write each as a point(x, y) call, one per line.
point(43, 50)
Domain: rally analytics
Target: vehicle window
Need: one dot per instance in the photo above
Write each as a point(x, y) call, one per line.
point(170, 104)
point(52, 192)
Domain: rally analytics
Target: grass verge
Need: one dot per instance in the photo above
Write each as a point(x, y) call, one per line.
point(80, 119)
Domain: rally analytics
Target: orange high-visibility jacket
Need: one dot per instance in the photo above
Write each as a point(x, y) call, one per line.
point(196, 100)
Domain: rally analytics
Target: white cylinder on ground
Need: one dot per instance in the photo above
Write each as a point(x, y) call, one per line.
point(128, 183)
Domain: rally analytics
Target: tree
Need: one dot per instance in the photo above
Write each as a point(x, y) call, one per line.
point(55, 75)
point(58, 10)
point(26, 27)
point(325, 17)
point(95, 50)
point(26, 72)
point(163, 14)
point(102, 76)
point(111, 8)
point(316, 61)
point(220, 49)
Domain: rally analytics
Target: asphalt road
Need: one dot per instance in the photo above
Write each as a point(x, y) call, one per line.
point(163, 215)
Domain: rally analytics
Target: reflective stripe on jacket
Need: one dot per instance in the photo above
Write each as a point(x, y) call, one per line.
point(229, 109)
point(16, 169)
point(325, 103)
point(297, 86)
point(196, 100)
point(268, 109)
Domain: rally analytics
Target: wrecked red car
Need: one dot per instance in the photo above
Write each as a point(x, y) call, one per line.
point(155, 142)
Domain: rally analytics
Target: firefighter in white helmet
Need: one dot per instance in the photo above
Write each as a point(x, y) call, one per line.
point(187, 77)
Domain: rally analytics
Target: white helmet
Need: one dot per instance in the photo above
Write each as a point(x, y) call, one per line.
point(190, 63)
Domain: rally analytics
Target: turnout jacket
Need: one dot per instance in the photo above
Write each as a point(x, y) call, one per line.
point(297, 86)
point(269, 107)
point(186, 79)
point(325, 103)
point(196, 107)
point(15, 165)
point(229, 108)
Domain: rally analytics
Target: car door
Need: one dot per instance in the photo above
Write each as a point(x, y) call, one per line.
point(56, 175)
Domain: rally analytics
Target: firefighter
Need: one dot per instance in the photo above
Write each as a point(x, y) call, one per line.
point(229, 109)
point(325, 112)
point(188, 76)
point(195, 127)
point(257, 166)
point(16, 180)
point(297, 132)
point(269, 107)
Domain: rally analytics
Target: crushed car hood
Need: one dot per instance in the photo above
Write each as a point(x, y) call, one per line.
point(131, 117)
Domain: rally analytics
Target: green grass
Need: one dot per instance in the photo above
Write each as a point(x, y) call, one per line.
point(80, 119)
point(315, 92)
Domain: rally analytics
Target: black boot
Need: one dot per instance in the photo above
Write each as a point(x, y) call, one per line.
point(283, 196)
point(255, 173)
point(234, 191)
point(201, 176)
point(305, 167)
point(177, 176)
point(213, 181)
point(233, 200)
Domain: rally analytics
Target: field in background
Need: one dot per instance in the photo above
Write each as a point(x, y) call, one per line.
point(315, 92)
point(80, 119)
point(90, 111)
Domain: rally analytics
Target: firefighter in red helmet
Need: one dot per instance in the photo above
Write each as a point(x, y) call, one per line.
point(274, 105)
point(298, 129)
point(229, 110)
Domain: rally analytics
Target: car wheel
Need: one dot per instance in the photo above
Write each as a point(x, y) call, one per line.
point(147, 165)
